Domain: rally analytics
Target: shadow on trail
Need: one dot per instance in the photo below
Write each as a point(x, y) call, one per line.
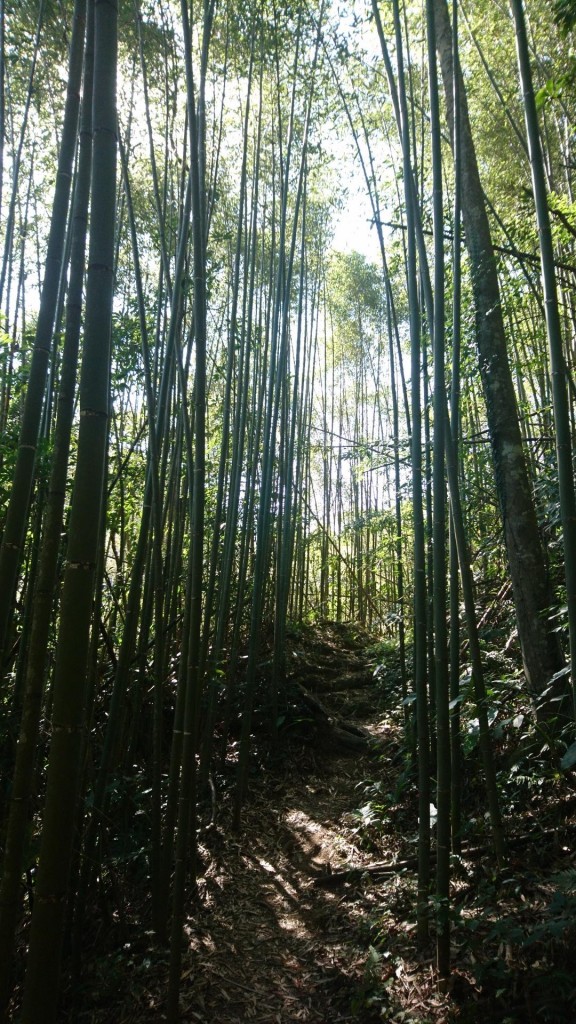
point(269, 944)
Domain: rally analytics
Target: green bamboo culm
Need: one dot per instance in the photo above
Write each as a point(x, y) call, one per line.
point(420, 674)
point(443, 765)
point(554, 331)
point(18, 507)
point(23, 779)
point(454, 650)
point(185, 844)
point(68, 721)
point(541, 650)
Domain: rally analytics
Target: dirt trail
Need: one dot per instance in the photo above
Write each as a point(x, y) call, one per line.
point(270, 944)
point(282, 931)
point(267, 942)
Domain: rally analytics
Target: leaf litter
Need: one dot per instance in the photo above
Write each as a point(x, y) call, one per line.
point(277, 932)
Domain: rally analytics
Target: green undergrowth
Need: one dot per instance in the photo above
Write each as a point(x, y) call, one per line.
point(514, 929)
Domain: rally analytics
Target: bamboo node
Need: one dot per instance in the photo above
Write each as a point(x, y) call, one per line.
point(97, 413)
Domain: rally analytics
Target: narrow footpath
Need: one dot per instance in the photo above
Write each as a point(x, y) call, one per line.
point(276, 936)
point(308, 913)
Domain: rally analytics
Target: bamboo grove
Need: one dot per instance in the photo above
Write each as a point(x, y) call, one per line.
point(215, 424)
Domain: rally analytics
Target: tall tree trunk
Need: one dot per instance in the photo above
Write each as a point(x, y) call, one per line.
point(44, 592)
point(420, 679)
point(443, 766)
point(185, 846)
point(18, 508)
point(554, 330)
point(72, 657)
point(455, 740)
point(541, 651)
point(2, 100)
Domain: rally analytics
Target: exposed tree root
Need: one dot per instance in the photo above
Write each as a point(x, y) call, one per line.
point(381, 868)
point(334, 729)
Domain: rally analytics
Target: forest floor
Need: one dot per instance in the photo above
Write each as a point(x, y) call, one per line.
point(308, 913)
